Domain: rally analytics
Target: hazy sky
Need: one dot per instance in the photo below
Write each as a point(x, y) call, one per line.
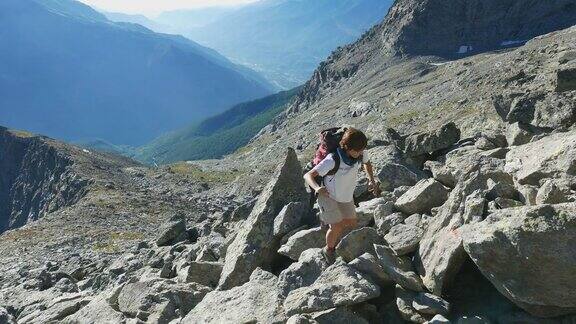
point(152, 7)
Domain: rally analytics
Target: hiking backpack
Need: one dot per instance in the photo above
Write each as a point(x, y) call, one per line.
point(329, 141)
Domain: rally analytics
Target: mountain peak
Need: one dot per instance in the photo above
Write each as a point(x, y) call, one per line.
point(456, 28)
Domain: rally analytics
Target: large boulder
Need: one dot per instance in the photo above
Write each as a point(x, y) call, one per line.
point(425, 195)
point(528, 254)
point(399, 269)
point(358, 242)
point(53, 311)
point(256, 301)
point(204, 273)
point(440, 253)
point(518, 134)
point(338, 285)
point(255, 244)
point(427, 303)
point(289, 218)
point(404, 239)
point(333, 315)
point(369, 265)
point(430, 142)
point(302, 241)
point(98, 310)
point(158, 299)
point(367, 209)
point(404, 301)
point(304, 272)
point(553, 156)
point(391, 169)
point(172, 232)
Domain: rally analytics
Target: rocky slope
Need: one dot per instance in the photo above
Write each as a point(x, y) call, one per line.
point(476, 223)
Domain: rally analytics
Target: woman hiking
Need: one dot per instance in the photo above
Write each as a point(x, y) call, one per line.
point(336, 191)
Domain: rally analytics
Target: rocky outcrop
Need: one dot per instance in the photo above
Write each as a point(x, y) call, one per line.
point(35, 179)
point(255, 244)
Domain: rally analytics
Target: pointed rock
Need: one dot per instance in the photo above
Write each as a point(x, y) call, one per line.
point(255, 245)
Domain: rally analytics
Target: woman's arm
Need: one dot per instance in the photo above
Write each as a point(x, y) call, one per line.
point(373, 183)
point(309, 178)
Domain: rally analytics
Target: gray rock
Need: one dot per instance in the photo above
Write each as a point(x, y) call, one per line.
point(338, 285)
point(566, 79)
point(204, 273)
point(441, 173)
point(426, 303)
point(156, 297)
point(289, 218)
point(503, 203)
point(528, 194)
point(392, 175)
point(206, 254)
point(534, 239)
point(255, 245)
point(54, 310)
point(98, 310)
point(440, 253)
point(338, 315)
point(425, 195)
point(369, 265)
point(484, 144)
point(414, 220)
point(398, 269)
point(167, 271)
point(256, 301)
point(391, 169)
point(383, 210)
point(551, 193)
point(551, 157)
point(501, 190)
point(404, 239)
point(302, 241)
point(172, 232)
point(399, 191)
point(518, 134)
point(383, 225)
point(404, 301)
point(301, 319)
point(302, 273)
point(357, 243)
point(423, 143)
point(474, 207)
point(365, 211)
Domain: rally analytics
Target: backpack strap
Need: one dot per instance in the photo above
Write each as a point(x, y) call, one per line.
point(336, 158)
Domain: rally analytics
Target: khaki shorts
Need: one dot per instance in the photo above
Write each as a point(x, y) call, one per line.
point(332, 211)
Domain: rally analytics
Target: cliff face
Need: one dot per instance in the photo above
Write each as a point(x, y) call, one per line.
point(34, 179)
point(455, 28)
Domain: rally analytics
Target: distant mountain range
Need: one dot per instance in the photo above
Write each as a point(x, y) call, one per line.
point(282, 39)
point(68, 72)
point(214, 137)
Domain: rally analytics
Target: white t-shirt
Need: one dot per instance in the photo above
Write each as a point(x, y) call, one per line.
point(341, 185)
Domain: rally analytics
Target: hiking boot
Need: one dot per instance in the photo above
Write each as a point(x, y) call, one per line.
point(329, 255)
